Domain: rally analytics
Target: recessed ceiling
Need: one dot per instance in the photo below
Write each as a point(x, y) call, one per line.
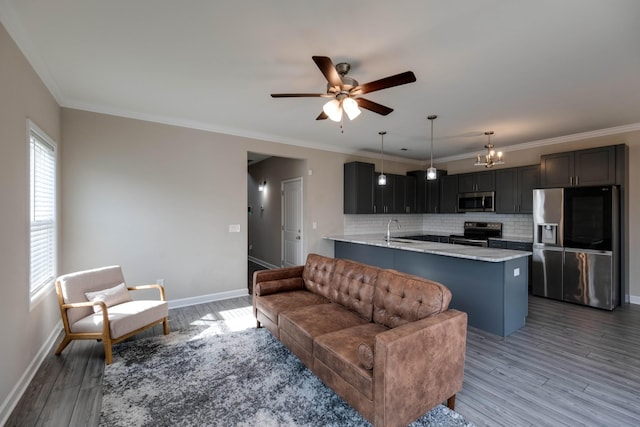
point(528, 70)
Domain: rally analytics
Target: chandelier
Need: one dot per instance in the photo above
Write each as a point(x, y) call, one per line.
point(491, 158)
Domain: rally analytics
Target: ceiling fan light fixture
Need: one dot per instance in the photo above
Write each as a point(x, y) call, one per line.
point(350, 106)
point(333, 110)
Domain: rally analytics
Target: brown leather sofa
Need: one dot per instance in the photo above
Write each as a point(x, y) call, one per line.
point(384, 341)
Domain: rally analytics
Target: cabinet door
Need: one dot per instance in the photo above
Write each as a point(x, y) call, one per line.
point(596, 166)
point(528, 180)
point(383, 195)
point(506, 190)
point(433, 193)
point(449, 194)
point(466, 182)
point(477, 181)
point(421, 190)
point(485, 181)
point(358, 188)
point(556, 170)
point(410, 185)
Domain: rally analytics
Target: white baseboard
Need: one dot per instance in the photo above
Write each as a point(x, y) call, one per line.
point(184, 302)
point(18, 390)
point(634, 299)
point(265, 264)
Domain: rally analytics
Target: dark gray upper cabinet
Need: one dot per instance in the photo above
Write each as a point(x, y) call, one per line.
point(449, 193)
point(594, 166)
point(514, 189)
point(410, 188)
point(477, 181)
point(358, 188)
point(383, 194)
point(427, 192)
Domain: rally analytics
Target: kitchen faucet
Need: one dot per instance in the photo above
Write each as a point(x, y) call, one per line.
point(389, 228)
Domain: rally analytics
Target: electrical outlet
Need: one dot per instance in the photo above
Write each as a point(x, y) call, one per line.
point(516, 272)
point(160, 282)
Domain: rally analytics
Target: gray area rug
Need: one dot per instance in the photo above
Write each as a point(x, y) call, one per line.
point(225, 373)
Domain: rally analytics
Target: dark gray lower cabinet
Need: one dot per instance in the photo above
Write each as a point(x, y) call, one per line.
point(492, 296)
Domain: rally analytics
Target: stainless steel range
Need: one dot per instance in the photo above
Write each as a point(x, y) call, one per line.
point(477, 233)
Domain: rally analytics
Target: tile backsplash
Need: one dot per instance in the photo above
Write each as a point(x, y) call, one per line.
point(513, 225)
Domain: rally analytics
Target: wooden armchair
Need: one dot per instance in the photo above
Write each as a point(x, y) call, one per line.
point(96, 304)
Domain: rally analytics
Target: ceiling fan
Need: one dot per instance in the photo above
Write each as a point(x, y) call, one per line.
point(345, 91)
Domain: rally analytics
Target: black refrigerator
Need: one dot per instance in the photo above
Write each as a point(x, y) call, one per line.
point(576, 255)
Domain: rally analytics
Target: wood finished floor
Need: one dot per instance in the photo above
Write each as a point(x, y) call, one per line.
point(570, 365)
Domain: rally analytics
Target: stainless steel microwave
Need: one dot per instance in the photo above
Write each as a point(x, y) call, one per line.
point(482, 201)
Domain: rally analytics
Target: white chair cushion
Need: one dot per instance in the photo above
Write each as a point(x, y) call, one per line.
point(111, 296)
point(124, 318)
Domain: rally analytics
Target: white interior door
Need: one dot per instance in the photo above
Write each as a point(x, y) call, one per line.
point(292, 222)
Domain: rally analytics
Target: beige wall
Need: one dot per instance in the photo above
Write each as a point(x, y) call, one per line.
point(23, 329)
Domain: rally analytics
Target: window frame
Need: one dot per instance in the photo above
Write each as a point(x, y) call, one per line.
point(37, 293)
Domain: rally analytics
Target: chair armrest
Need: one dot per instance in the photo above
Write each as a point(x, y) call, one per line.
point(418, 366)
point(150, 286)
point(83, 304)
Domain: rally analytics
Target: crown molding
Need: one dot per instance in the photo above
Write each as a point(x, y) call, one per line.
point(616, 130)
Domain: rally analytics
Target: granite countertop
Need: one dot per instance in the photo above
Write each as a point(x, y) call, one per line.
point(445, 249)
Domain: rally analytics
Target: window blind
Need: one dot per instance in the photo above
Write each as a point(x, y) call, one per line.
point(43, 212)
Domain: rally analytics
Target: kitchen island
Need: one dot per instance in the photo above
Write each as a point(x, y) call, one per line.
point(490, 285)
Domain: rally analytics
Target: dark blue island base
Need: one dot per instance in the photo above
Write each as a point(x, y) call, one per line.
point(493, 294)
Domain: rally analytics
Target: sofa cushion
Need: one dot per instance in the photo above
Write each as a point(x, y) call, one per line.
point(272, 305)
point(353, 285)
point(401, 298)
point(339, 352)
point(306, 323)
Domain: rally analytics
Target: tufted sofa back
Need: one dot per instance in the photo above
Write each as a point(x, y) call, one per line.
point(353, 286)
point(344, 282)
point(318, 274)
point(401, 298)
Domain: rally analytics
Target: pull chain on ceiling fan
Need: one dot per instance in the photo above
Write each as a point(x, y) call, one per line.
point(346, 91)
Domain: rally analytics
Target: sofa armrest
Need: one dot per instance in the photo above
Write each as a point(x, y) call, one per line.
point(418, 366)
point(276, 274)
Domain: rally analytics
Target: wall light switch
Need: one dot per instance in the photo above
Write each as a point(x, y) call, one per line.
point(234, 228)
point(516, 272)
point(310, 172)
point(314, 225)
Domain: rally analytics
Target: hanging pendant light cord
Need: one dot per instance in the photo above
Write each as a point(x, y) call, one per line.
point(382, 150)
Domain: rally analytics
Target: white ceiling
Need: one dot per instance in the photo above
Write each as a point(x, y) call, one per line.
point(530, 71)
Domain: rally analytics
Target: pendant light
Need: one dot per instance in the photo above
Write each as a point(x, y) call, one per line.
point(431, 172)
point(491, 158)
point(382, 179)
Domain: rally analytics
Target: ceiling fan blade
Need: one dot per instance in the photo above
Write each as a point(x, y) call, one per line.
point(297, 95)
point(328, 70)
point(373, 106)
point(387, 82)
point(322, 116)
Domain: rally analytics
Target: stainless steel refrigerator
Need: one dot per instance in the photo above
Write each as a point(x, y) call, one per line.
point(576, 245)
